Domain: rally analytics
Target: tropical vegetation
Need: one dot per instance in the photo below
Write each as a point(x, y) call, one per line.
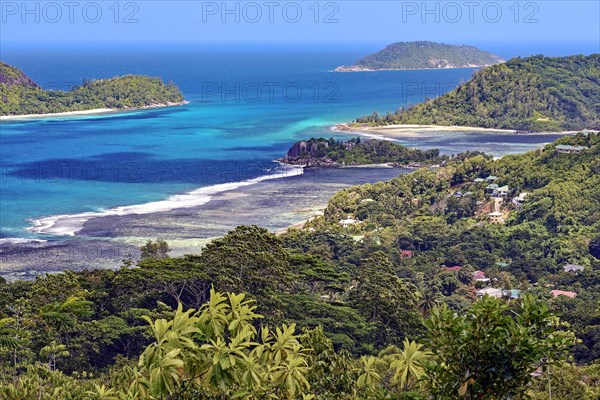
point(19, 95)
point(426, 55)
point(383, 308)
point(526, 94)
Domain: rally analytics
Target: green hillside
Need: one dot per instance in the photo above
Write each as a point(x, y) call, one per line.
point(20, 95)
point(424, 55)
point(529, 94)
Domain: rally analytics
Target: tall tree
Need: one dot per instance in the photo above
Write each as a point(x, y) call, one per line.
point(491, 351)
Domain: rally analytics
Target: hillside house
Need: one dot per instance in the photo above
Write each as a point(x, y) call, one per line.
point(479, 276)
point(501, 191)
point(568, 149)
point(492, 292)
point(491, 187)
point(453, 268)
point(573, 268)
point(499, 293)
point(406, 254)
point(496, 217)
point(519, 200)
point(556, 293)
point(348, 221)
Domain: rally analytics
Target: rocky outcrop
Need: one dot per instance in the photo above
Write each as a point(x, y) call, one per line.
point(310, 153)
point(313, 152)
point(306, 148)
point(10, 75)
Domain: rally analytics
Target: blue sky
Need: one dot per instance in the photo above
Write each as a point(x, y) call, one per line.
point(517, 27)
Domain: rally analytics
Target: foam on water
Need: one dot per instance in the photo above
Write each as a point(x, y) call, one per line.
point(69, 224)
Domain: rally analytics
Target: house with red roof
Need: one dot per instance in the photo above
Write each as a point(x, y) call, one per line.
point(405, 254)
point(479, 276)
point(557, 293)
point(454, 268)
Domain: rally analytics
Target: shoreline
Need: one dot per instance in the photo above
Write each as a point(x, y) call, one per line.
point(81, 113)
point(354, 68)
point(70, 224)
point(411, 130)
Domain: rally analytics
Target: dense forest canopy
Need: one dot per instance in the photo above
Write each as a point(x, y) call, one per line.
point(19, 95)
point(334, 153)
point(528, 94)
point(425, 55)
point(385, 307)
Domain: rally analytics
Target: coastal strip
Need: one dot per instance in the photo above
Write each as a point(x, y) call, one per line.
point(92, 112)
point(406, 130)
point(70, 224)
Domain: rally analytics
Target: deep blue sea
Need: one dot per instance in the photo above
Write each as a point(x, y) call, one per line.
point(245, 109)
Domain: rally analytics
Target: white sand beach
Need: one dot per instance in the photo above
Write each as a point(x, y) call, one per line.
point(399, 131)
point(96, 111)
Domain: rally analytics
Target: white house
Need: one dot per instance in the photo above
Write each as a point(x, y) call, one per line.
point(349, 221)
point(492, 292)
point(573, 268)
point(519, 200)
point(567, 149)
point(496, 217)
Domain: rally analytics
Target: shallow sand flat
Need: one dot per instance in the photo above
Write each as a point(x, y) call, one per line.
point(413, 131)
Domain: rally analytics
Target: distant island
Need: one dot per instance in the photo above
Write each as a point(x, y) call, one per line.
point(423, 55)
point(21, 96)
point(534, 94)
point(320, 152)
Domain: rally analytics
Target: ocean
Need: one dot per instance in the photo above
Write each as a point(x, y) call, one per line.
point(246, 108)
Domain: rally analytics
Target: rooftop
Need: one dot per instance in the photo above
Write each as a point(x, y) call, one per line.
point(569, 147)
point(573, 267)
point(557, 293)
point(454, 268)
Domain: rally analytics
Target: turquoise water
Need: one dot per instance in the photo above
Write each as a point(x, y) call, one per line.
point(245, 110)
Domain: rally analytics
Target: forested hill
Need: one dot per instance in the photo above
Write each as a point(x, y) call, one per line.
point(20, 95)
point(528, 94)
point(332, 153)
point(423, 55)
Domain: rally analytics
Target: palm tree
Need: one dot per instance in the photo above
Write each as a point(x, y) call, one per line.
point(368, 378)
point(63, 315)
point(410, 365)
point(8, 339)
point(428, 299)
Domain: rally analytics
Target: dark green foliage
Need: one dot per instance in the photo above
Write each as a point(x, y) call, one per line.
point(345, 326)
point(594, 247)
point(491, 351)
point(385, 299)
point(530, 94)
point(19, 95)
point(329, 152)
point(157, 250)
point(249, 259)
